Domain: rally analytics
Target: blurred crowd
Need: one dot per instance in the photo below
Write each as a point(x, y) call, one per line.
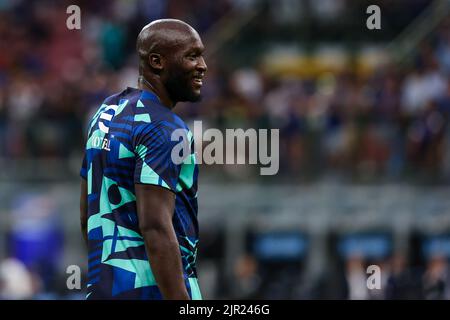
point(51, 77)
point(389, 123)
point(354, 276)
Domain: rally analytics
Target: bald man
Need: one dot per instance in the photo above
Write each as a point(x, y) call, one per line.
point(138, 207)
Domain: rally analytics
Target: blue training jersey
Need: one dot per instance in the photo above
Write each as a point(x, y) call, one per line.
point(131, 140)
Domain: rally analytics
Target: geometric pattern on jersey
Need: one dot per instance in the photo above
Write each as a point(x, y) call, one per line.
point(130, 140)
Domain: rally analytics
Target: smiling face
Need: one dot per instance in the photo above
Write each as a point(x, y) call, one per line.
point(185, 69)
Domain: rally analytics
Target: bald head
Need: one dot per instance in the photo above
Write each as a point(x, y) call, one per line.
point(161, 36)
point(171, 58)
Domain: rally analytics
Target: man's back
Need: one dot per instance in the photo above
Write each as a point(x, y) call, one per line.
point(129, 142)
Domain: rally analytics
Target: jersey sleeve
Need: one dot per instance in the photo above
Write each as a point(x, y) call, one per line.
point(153, 154)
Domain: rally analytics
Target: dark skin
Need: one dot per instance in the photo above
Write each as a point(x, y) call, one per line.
point(171, 58)
point(171, 66)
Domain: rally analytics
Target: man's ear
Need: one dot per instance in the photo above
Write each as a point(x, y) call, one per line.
point(156, 61)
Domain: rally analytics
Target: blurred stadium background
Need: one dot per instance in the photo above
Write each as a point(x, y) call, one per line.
point(364, 142)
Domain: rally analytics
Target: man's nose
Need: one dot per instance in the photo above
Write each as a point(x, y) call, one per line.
point(202, 65)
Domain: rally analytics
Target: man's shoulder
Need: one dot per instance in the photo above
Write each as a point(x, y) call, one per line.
point(161, 116)
point(162, 126)
point(145, 110)
point(130, 95)
point(172, 120)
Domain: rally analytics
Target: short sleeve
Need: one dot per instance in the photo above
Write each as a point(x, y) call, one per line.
point(154, 149)
point(83, 171)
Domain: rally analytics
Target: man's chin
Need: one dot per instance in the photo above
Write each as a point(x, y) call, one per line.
point(197, 98)
point(194, 97)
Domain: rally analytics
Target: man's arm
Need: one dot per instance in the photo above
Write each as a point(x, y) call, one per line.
point(83, 210)
point(155, 207)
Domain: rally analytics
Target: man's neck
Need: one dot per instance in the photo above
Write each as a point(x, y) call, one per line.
point(156, 89)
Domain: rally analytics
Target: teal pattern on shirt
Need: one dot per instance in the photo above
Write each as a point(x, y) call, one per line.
point(130, 141)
